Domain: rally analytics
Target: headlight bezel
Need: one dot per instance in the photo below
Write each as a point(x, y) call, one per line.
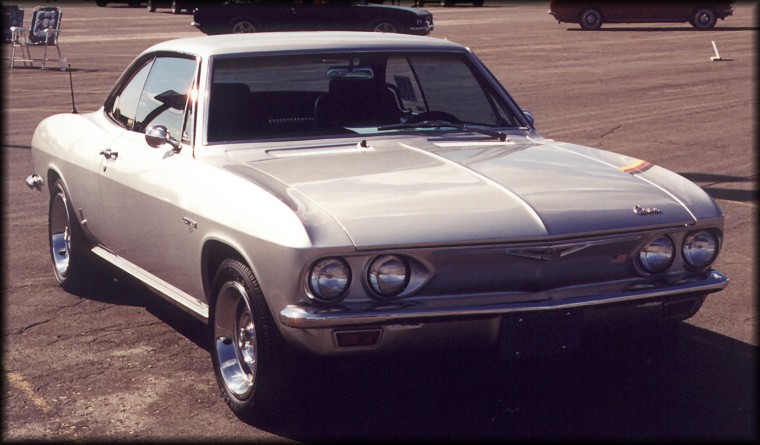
point(688, 258)
point(317, 292)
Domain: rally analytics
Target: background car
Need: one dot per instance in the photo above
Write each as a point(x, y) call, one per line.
point(347, 193)
point(130, 3)
point(701, 15)
point(177, 6)
point(292, 15)
point(450, 2)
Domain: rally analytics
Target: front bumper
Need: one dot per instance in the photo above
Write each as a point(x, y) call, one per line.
point(302, 317)
point(432, 323)
point(422, 30)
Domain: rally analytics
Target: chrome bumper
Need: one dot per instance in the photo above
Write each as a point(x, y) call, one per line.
point(301, 317)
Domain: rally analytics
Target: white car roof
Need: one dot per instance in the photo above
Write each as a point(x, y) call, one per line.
point(206, 46)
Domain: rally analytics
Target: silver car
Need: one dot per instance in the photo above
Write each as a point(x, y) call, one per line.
point(348, 192)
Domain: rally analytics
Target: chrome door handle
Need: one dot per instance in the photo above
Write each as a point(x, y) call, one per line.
point(108, 153)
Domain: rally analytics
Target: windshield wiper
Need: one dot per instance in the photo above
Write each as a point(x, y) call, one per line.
point(441, 123)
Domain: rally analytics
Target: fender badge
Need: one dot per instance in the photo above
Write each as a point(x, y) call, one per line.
point(191, 225)
point(644, 211)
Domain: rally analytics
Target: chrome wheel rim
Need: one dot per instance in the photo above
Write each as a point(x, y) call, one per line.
point(243, 27)
point(704, 18)
point(385, 27)
point(235, 339)
point(60, 234)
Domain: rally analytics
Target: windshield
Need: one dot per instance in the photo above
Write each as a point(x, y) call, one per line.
point(332, 94)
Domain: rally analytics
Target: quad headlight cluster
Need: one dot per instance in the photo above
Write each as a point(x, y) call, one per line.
point(699, 250)
point(387, 277)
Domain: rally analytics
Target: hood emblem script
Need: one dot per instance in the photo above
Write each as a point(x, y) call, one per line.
point(644, 211)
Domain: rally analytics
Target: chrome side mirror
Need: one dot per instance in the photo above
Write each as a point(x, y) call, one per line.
point(158, 135)
point(529, 116)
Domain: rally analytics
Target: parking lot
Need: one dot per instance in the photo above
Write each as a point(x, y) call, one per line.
point(117, 363)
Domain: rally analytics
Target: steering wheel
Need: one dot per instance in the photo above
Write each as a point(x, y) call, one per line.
point(433, 116)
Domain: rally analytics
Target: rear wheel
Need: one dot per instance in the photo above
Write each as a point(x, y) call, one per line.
point(151, 6)
point(591, 19)
point(68, 249)
point(246, 347)
point(703, 18)
point(176, 8)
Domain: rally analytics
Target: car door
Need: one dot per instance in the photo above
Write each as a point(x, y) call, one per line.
point(141, 185)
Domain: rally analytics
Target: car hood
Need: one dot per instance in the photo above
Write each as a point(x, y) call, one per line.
point(467, 189)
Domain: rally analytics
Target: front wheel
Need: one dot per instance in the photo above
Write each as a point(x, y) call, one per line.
point(703, 18)
point(151, 6)
point(68, 250)
point(245, 353)
point(591, 19)
point(243, 27)
point(383, 26)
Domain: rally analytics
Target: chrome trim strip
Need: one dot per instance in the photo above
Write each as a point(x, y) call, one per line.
point(542, 251)
point(165, 290)
point(301, 317)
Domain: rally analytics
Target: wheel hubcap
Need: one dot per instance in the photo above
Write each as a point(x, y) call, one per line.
point(243, 27)
point(385, 27)
point(235, 334)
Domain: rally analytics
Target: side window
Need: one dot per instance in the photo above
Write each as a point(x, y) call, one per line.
point(165, 95)
point(124, 107)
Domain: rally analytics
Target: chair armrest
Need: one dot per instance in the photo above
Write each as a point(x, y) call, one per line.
point(17, 33)
point(51, 32)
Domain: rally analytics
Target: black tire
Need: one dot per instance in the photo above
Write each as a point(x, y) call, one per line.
point(101, 3)
point(245, 341)
point(175, 7)
point(383, 26)
point(591, 19)
point(478, 3)
point(703, 18)
point(69, 251)
point(244, 26)
point(151, 7)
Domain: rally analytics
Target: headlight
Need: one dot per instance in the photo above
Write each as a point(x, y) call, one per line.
point(388, 275)
point(700, 249)
point(658, 255)
point(329, 279)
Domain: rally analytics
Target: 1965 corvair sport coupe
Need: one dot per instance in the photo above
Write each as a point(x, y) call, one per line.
point(348, 192)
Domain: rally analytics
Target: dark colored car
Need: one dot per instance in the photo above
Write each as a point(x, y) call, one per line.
point(303, 15)
point(130, 3)
point(591, 15)
point(451, 2)
point(176, 6)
